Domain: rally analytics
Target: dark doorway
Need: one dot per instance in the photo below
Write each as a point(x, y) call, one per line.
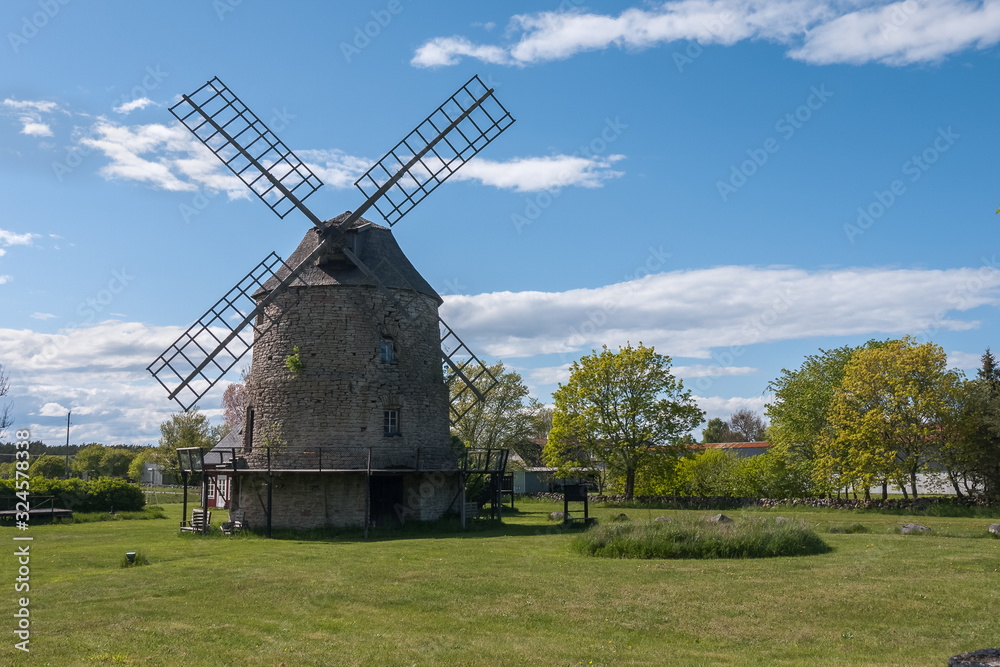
point(386, 495)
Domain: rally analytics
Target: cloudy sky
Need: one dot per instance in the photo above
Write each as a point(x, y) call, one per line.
point(736, 182)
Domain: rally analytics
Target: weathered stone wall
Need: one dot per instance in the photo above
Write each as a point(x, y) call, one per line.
point(312, 500)
point(339, 397)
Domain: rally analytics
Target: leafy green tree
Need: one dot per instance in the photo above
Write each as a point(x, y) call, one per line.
point(799, 413)
point(890, 414)
point(88, 461)
point(46, 465)
point(716, 430)
point(183, 429)
point(504, 419)
point(116, 461)
point(624, 408)
point(142, 458)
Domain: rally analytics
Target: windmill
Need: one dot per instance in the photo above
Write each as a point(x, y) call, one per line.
point(345, 268)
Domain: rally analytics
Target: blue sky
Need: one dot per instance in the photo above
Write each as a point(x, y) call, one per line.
point(737, 183)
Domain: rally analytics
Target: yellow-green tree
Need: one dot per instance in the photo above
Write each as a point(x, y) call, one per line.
point(889, 416)
point(622, 408)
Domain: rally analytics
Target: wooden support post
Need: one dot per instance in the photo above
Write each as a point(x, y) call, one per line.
point(184, 511)
point(368, 492)
point(270, 485)
point(461, 478)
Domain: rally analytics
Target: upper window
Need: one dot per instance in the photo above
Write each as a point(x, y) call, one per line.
point(387, 350)
point(390, 422)
point(211, 487)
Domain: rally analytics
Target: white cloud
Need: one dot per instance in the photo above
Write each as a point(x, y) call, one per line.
point(533, 174)
point(965, 361)
point(98, 372)
point(128, 107)
point(819, 32)
point(690, 313)
point(30, 105)
point(33, 128)
point(5, 279)
point(52, 410)
point(42, 316)
point(13, 238)
point(723, 408)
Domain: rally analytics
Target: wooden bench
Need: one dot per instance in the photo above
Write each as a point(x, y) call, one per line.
point(199, 523)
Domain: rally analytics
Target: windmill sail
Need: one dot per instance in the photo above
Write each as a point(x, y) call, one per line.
point(458, 129)
point(464, 365)
point(242, 141)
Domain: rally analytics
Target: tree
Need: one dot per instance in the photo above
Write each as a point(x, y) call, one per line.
point(234, 403)
point(747, 424)
point(504, 419)
point(183, 429)
point(88, 460)
point(717, 430)
point(890, 415)
point(5, 418)
point(116, 462)
point(799, 414)
point(623, 408)
point(46, 465)
point(139, 464)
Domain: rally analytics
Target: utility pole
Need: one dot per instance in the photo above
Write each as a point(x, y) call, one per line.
point(67, 443)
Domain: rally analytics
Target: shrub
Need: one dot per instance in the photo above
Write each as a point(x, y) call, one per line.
point(755, 537)
point(100, 495)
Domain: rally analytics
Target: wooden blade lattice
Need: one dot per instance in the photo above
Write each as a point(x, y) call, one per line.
point(214, 344)
point(244, 143)
point(466, 368)
point(458, 129)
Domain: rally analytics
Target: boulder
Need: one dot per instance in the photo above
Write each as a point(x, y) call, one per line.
point(620, 517)
point(986, 657)
point(556, 516)
point(719, 518)
point(663, 518)
point(995, 529)
point(908, 528)
point(781, 519)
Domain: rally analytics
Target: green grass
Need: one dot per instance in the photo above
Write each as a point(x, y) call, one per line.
point(501, 595)
point(747, 537)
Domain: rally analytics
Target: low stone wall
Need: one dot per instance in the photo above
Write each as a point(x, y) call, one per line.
point(724, 502)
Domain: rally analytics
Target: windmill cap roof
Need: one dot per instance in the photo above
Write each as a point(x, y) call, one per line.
point(373, 244)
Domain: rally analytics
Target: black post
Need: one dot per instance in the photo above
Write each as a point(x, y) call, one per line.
point(184, 511)
point(270, 483)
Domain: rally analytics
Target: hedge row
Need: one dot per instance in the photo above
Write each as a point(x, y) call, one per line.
point(726, 502)
point(98, 495)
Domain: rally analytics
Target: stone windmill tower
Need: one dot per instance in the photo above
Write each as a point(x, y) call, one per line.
point(348, 417)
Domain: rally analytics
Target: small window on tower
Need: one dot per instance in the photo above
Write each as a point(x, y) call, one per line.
point(387, 348)
point(390, 423)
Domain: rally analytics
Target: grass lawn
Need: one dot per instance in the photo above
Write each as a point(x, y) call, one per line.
point(510, 595)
